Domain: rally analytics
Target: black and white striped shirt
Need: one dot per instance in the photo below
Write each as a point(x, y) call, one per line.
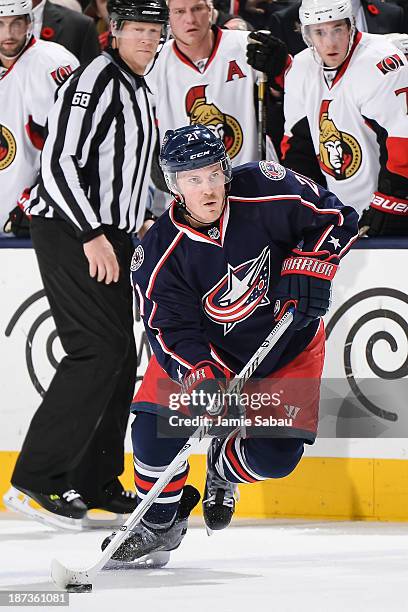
point(95, 165)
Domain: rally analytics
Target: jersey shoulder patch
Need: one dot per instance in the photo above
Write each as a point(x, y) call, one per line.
point(60, 74)
point(391, 63)
point(272, 170)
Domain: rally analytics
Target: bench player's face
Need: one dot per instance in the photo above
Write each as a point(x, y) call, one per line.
point(331, 41)
point(13, 35)
point(137, 43)
point(203, 191)
point(190, 20)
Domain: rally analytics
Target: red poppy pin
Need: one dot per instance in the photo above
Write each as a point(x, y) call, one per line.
point(47, 33)
point(374, 10)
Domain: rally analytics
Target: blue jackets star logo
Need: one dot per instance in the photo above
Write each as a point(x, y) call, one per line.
point(239, 293)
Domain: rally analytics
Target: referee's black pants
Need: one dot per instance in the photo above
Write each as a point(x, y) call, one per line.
point(76, 437)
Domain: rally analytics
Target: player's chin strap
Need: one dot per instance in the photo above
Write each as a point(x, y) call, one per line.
point(187, 213)
point(163, 39)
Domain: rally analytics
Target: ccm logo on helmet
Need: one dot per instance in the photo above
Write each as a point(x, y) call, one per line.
point(201, 154)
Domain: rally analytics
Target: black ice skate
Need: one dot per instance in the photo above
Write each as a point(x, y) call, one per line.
point(61, 510)
point(115, 500)
point(219, 494)
point(146, 545)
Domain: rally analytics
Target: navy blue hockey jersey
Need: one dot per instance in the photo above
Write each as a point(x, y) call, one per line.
point(210, 296)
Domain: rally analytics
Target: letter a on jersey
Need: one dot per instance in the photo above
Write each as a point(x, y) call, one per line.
point(239, 293)
point(234, 71)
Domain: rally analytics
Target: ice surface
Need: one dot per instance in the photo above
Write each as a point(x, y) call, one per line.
point(280, 566)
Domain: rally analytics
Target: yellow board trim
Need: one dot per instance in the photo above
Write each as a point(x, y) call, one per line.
point(319, 488)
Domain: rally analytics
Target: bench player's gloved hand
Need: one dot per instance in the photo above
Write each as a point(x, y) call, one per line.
point(18, 222)
point(306, 285)
point(386, 216)
point(267, 54)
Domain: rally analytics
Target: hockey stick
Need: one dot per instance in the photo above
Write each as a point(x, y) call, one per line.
point(261, 85)
point(261, 116)
point(266, 148)
point(80, 579)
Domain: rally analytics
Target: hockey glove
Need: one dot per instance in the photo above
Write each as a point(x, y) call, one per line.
point(18, 222)
point(267, 54)
point(305, 284)
point(386, 216)
point(206, 385)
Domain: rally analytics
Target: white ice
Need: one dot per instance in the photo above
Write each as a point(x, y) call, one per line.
point(281, 566)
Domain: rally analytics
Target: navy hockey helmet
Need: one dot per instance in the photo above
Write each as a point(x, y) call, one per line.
point(152, 11)
point(189, 148)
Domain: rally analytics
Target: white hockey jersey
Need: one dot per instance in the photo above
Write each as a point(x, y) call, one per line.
point(358, 121)
point(26, 95)
point(220, 97)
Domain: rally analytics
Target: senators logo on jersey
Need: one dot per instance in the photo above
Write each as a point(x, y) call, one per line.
point(61, 74)
point(226, 127)
point(390, 64)
point(339, 152)
point(8, 147)
point(239, 293)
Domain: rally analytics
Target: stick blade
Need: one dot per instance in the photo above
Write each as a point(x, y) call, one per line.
point(64, 577)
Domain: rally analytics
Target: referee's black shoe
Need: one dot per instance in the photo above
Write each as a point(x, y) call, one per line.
point(64, 503)
point(115, 499)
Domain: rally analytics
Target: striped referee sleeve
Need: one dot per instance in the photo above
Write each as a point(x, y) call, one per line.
point(82, 109)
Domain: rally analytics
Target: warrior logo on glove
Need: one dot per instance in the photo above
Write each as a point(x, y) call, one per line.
point(239, 293)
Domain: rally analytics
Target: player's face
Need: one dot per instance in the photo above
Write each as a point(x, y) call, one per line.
point(13, 35)
point(203, 191)
point(137, 43)
point(190, 20)
point(331, 41)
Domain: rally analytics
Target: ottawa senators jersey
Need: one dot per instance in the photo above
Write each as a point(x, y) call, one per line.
point(26, 96)
point(220, 97)
point(210, 296)
point(358, 120)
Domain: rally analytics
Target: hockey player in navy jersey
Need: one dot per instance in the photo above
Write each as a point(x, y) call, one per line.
point(212, 276)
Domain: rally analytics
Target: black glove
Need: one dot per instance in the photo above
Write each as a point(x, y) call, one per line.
point(310, 296)
point(269, 54)
point(18, 223)
point(206, 386)
point(387, 216)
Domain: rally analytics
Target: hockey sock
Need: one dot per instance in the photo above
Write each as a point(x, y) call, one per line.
point(162, 512)
point(151, 456)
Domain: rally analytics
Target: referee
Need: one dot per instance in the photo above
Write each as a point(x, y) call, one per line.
point(90, 197)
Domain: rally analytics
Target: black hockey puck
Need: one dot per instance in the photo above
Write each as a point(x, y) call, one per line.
point(79, 588)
